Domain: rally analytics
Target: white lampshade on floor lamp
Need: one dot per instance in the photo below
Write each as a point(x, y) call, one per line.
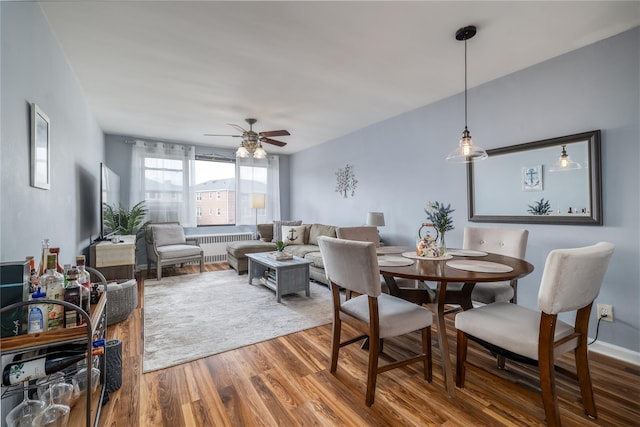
point(257, 202)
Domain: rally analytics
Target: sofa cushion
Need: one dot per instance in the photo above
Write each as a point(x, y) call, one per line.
point(300, 250)
point(266, 232)
point(168, 234)
point(318, 230)
point(277, 228)
point(243, 247)
point(178, 251)
point(293, 235)
point(315, 258)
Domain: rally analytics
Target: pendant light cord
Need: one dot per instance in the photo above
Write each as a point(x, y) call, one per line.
point(465, 83)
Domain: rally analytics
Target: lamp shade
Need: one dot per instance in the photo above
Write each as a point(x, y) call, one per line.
point(375, 218)
point(257, 201)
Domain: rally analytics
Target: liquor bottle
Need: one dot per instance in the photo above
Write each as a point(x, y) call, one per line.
point(38, 314)
point(73, 295)
point(84, 278)
point(82, 346)
point(52, 282)
point(33, 369)
point(33, 275)
point(42, 268)
point(56, 251)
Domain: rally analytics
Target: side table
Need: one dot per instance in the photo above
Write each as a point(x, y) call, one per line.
point(115, 260)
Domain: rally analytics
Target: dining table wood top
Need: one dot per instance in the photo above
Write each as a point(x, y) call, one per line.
point(438, 270)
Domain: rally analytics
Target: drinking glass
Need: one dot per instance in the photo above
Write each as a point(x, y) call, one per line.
point(23, 414)
point(54, 415)
point(59, 393)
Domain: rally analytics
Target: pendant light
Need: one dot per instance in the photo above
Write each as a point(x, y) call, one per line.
point(564, 163)
point(466, 152)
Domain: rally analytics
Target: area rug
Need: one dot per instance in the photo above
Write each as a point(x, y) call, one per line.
point(197, 315)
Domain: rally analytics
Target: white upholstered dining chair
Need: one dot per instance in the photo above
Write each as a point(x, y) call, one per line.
point(503, 241)
point(353, 265)
point(571, 281)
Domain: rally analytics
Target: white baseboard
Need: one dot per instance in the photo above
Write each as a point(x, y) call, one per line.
point(616, 352)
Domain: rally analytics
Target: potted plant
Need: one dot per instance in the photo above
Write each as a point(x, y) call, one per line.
point(540, 208)
point(126, 222)
point(279, 246)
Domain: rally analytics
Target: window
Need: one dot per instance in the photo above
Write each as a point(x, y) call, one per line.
point(162, 174)
point(173, 182)
point(213, 178)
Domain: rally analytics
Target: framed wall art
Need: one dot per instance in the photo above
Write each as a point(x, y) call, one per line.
point(40, 149)
point(532, 178)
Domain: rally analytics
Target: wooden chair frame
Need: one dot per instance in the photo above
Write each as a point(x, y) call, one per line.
point(371, 330)
point(548, 350)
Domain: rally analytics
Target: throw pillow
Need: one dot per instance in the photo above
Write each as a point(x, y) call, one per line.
point(318, 230)
point(277, 228)
point(293, 235)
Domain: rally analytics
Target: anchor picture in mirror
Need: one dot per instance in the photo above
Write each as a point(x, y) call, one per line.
point(532, 178)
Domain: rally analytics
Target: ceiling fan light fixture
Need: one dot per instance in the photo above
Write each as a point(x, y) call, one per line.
point(466, 152)
point(260, 153)
point(242, 152)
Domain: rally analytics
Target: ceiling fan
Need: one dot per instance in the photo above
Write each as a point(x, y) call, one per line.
point(251, 145)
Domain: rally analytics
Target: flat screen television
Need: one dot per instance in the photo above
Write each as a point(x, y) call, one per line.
point(109, 195)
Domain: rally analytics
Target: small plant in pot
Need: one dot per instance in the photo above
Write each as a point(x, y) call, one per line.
point(543, 207)
point(279, 246)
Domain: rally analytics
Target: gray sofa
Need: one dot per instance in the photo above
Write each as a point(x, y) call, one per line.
point(237, 251)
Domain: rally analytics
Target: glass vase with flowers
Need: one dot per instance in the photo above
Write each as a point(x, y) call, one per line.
point(440, 216)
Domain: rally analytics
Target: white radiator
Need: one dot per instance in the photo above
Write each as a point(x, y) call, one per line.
point(215, 245)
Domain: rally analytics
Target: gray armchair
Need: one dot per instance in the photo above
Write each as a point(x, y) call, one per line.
point(167, 245)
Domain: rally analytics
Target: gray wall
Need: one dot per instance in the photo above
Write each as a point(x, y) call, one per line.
point(34, 69)
point(400, 165)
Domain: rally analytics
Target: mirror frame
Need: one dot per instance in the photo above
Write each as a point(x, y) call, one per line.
point(595, 183)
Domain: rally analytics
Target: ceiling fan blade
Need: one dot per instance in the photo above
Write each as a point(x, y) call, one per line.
point(273, 141)
point(214, 134)
point(274, 133)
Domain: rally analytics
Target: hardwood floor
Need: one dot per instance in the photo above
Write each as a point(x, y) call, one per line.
point(286, 382)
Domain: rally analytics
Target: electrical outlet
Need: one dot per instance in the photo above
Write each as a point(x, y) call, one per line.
point(605, 311)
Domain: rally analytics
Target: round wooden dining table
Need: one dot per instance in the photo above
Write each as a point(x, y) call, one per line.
point(437, 271)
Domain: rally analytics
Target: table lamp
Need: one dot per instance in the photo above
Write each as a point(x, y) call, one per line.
point(376, 219)
point(257, 202)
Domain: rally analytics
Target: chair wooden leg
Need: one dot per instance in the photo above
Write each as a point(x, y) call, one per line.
point(426, 350)
point(584, 379)
point(547, 370)
point(335, 343)
point(501, 361)
point(372, 371)
point(461, 358)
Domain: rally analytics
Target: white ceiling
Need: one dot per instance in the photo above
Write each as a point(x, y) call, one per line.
point(174, 70)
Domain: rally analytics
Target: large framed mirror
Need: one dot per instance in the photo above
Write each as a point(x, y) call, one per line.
point(553, 181)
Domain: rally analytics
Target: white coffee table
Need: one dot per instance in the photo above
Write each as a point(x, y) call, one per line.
point(290, 275)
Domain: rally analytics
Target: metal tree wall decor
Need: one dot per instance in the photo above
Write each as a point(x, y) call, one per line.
point(346, 181)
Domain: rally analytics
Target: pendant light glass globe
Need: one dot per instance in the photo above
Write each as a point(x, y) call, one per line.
point(260, 153)
point(466, 152)
point(564, 163)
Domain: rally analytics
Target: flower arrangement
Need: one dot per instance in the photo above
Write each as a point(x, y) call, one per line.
point(439, 215)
